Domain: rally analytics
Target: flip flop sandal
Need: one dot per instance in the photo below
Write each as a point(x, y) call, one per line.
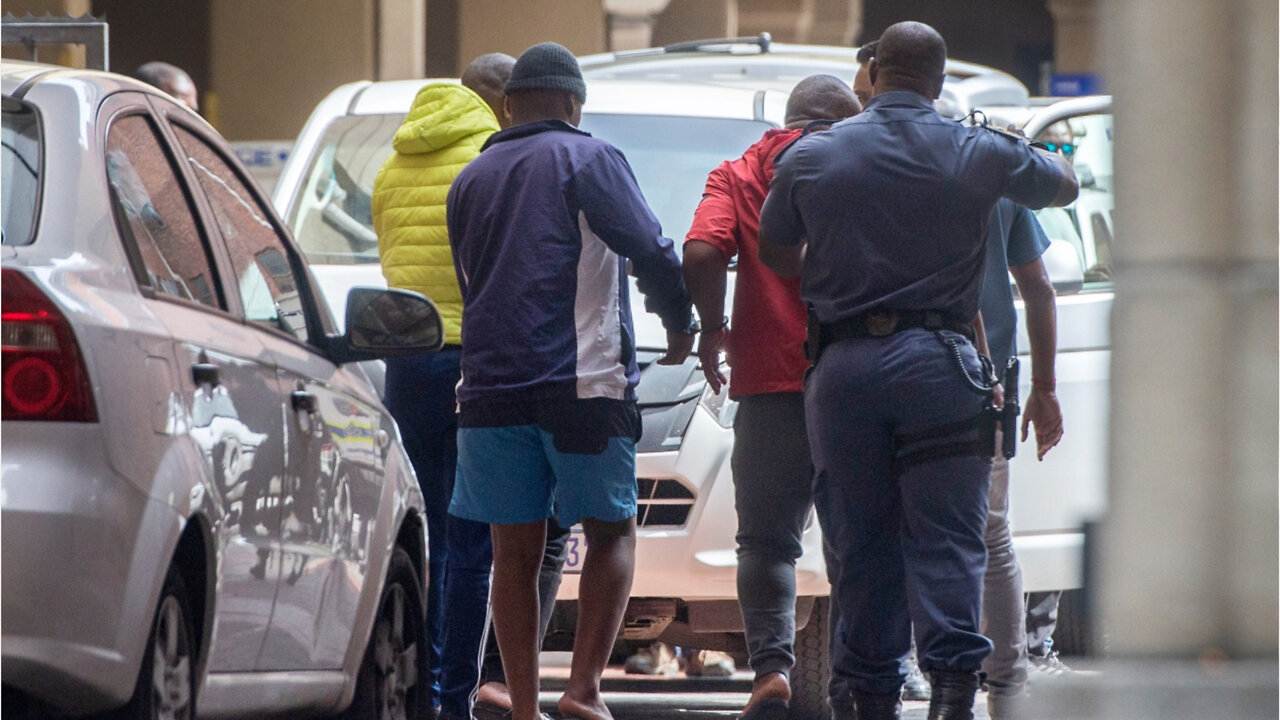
point(767, 709)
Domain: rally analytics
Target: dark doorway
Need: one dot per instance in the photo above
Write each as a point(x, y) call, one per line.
point(173, 31)
point(1013, 35)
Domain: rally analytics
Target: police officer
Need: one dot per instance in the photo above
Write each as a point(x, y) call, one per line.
point(884, 219)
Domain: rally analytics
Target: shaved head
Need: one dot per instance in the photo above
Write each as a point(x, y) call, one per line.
point(487, 75)
point(820, 97)
point(910, 56)
point(171, 79)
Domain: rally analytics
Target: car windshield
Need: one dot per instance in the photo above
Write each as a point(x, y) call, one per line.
point(671, 156)
point(21, 172)
point(1087, 223)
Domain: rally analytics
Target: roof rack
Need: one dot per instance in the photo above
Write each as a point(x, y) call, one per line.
point(31, 31)
point(763, 41)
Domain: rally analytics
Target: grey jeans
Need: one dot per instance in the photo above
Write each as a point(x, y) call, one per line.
point(1003, 612)
point(772, 475)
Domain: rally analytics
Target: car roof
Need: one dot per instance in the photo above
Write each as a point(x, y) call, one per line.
point(627, 97)
point(18, 76)
point(759, 63)
point(719, 56)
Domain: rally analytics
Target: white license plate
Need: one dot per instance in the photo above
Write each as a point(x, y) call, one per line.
point(576, 553)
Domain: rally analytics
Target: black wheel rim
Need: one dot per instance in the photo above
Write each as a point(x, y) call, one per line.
point(395, 655)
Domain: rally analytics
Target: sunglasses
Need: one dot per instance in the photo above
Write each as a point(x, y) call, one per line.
point(1067, 149)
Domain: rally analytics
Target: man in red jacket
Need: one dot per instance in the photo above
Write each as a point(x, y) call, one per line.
point(771, 465)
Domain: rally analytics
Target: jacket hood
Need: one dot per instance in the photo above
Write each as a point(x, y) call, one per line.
point(766, 150)
point(441, 115)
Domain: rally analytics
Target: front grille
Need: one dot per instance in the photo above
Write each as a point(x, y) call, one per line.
point(663, 502)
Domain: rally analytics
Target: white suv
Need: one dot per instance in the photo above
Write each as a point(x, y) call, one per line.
point(203, 501)
point(673, 133)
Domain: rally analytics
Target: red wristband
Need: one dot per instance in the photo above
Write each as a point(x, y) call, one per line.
point(1039, 384)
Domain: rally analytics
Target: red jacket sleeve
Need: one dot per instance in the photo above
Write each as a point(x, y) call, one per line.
point(715, 222)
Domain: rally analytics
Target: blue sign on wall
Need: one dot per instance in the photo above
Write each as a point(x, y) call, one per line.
point(1081, 84)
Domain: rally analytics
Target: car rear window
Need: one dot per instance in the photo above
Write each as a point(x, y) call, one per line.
point(21, 172)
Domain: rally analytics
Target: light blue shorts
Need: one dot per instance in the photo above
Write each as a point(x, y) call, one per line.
point(514, 474)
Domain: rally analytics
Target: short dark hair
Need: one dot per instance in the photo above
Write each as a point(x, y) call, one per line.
point(867, 51)
point(821, 97)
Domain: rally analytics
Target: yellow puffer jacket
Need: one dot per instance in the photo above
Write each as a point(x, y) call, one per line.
point(443, 131)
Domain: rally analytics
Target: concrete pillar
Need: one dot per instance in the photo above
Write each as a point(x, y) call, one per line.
point(786, 20)
point(401, 39)
point(272, 62)
point(1075, 46)
point(836, 22)
point(1187, 554)
point(695, 20)
point(501, 26)
point(629, 23)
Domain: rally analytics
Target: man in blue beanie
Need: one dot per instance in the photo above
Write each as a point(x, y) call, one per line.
point(542, 225)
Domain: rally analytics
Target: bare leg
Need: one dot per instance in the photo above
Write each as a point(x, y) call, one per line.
point(602, 600)
point(517, 554)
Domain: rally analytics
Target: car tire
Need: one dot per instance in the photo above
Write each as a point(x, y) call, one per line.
point(390, 683)
point(813, 666)
point(166, 680)
point(1073, 635)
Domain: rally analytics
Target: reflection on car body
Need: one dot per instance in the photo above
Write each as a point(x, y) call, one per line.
point(186, 432)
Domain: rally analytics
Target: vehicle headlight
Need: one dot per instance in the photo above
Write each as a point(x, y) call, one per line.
point(719, 405)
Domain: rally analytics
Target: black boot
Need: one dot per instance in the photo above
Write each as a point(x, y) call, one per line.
point(877, 706)
point(952, 695)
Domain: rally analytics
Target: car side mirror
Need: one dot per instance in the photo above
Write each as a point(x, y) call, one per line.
point(1062, 262)
point(387, 323)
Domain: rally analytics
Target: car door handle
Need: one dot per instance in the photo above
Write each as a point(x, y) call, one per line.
point(304, 401)
point(204, 373)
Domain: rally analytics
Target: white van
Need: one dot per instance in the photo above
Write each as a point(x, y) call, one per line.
point(673, 132)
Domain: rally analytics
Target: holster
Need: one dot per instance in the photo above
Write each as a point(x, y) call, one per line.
point(1009, 413)
point(812, 337)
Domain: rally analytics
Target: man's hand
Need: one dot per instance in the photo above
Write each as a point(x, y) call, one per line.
point(709, 348)
point(1042, 410)
point(679, 346)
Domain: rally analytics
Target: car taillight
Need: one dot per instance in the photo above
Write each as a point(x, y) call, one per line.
point(44, 377)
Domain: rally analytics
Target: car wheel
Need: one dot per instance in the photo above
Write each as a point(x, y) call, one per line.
point(809, 676)
point(1073, 635)
point(389, 684)
point(166, 680)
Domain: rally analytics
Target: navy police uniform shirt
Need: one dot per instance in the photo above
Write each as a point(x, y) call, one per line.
point(894, 204)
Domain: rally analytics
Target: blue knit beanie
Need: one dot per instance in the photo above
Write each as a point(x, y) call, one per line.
point(547, 66)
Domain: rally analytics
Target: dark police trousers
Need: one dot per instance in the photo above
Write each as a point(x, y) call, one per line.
point(909, 539)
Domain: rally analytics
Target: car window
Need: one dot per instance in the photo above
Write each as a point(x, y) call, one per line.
point(263, 275)
point(20, 175)
point(1088, 223)
point(671, 157)
point(332, 218)
point(154, 214)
